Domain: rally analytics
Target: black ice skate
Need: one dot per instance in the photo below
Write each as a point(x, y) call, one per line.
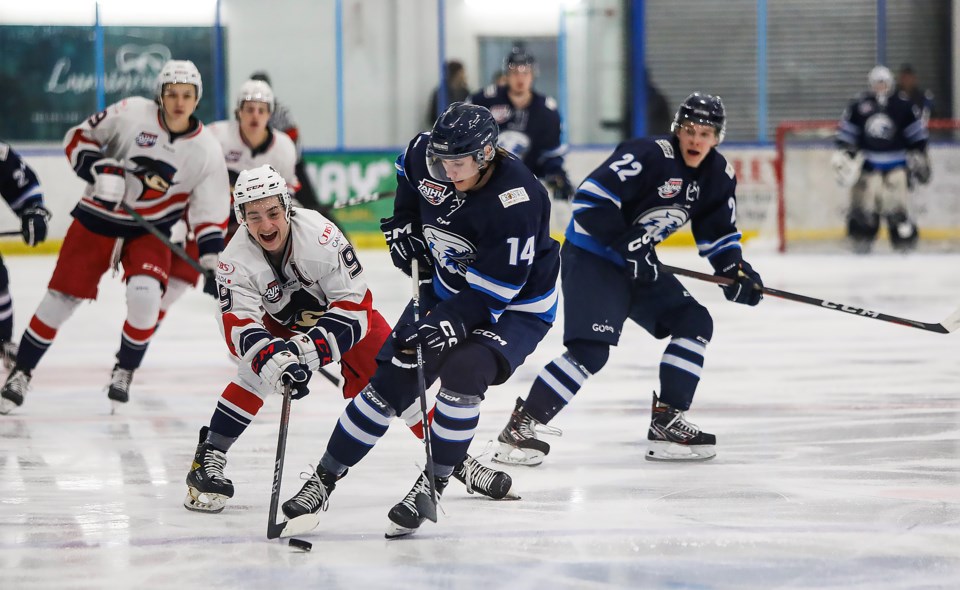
point(8, 350)
point(519, 444)
point(314, 496)
point(119, 389)
point(404, 517)
point(672, 438)
point(207, 488)
point(14, 390)
point(483, 480)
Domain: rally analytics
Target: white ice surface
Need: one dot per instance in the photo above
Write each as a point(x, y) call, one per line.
point(838, 461)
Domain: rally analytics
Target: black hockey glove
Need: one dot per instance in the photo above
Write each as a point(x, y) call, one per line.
point(747, 287)
point(406, 243)
point(439, 331)
point(641, 260)
point(33, 224)
point(560, 186)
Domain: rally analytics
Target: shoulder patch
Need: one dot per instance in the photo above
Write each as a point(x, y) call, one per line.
point(514, 196)
point(667, 148)
point(4, 151)
point(729, 170)
point(551, 103)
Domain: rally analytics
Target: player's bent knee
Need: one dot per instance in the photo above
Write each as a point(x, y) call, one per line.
point(693, 321)
point(469, 369)
point(591, 355)
point(143, 301)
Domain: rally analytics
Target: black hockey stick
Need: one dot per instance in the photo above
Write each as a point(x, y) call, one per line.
point(175, 248)
point(11, 233)
point(426, 509)
point(354, 201)
point(300, 524)
point(947, 326)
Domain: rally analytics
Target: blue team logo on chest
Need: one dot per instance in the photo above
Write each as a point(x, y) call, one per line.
point(670, 188)
point(660, 222)
point(452, 252)
point(434, 192)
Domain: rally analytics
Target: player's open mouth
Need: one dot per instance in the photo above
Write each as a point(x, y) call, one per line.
point(693, 153)
point(267, 238)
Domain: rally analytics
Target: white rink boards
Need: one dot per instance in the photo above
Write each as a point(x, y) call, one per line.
point(838, 460)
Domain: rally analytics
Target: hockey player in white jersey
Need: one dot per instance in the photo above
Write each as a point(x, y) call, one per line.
point(157, 158)
point(247, 142)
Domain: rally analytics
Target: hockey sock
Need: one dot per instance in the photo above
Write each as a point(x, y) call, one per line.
point(555, 387)
point(175, 290)
point(680, 370)
point(143, 309)
point(6, 316)
point(54, 309)
point(452, 429)
point(411, 416)
point(235, 410)
point(363, 422)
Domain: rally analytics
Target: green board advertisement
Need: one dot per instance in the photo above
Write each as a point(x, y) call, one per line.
point(48, 73)
point(340, 176)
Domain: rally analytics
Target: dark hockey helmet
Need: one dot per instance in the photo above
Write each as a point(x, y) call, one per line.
point(462, 130)
point(702, 109)
point(519, 58)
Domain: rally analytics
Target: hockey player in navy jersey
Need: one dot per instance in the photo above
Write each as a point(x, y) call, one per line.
point(529, 122)
point(641, 194)
point(881, 149)
point(477, 220)
point(21, 190)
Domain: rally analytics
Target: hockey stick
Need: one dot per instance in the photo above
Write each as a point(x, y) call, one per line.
point(947, 326)
point(176, 249)
point(301, 524)
point(354, 201)
point(427, 509)
point(11, 233)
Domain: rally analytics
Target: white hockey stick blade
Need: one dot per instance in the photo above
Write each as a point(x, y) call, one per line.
point(952, 323)
point(300, 525)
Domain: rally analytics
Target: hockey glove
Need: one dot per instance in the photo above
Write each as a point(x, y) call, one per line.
point(277, 363)
point(109, 182)
point(747, 285)
point(642, 265)
point(406, 243)
point(846, 167)
point(33, 224)
point(438, 332)
point(208, 262)
point(559, 185)
point(918, 165)
point(314, 349)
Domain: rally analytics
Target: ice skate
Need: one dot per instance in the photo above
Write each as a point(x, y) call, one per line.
point(405, 517)
point(314, 496)
point(672, 438)
point(207, 488)
point(519, 444)
point(119, 389)
point(14, 390)
point(479, 478)
point(8, 350)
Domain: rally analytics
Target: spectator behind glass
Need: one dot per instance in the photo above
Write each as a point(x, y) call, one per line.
point(909, 86)
point(457, 90)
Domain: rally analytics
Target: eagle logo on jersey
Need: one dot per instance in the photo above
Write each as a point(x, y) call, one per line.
point(155, 176)
point(880, 126)
point(662, 221)
point(434, 192)
point(670, 188)
point(515, 142)
point(451, 251)
point(146, 139)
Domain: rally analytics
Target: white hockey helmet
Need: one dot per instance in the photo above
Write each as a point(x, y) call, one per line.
point(259, 183)
point(179, 71)
point(256, 91)
point(881, 81)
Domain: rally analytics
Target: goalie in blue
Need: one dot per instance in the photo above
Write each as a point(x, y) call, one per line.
point(641, 194)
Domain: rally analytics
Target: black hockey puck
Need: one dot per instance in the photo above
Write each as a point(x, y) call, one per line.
point(301, 545)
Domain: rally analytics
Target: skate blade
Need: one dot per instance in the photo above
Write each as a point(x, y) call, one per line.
point(197, 501)
point(300, 525)
point(395, 531)
point(510, 455)
point(667, 451)
point(7, 406)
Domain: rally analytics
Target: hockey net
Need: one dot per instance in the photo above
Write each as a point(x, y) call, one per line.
point(810, 208)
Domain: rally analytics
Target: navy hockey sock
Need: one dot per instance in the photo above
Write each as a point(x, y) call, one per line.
point(235, 410)
point(36, 339)
point(680, 370)
point(555, 387)
point(6, 316)
point(454, 423)
point(361, 425)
